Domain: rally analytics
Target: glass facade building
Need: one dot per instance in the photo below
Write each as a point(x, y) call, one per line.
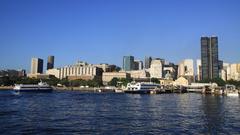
point(209, 57)
point(50, 63)
point(36, 66)
point(147, 62)
point(128, 63)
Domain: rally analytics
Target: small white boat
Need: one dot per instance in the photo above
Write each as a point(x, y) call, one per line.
point(231, 91)
point(40, 87)
point(118, 91)
point(232, 94)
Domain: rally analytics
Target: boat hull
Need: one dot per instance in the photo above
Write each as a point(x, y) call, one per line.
point(33, 90)
point(138, 91)
point(232, 94)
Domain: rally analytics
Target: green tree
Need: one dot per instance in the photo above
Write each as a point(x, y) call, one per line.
point(6, 81)
point(218, 81)
point(64, 82)
point(155, 80)
point(26, 80)
point(75, 83)
point(53, 81)
point(233, 82)
point(125, 81)
point(97, 82)
point(113, 82)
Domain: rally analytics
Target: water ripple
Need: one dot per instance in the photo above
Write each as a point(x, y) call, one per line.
point(70, 112)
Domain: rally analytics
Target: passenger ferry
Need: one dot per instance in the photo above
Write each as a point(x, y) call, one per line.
point(142, 88)
point(40, 87)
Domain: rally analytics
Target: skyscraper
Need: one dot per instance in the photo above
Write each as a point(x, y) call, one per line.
point(147, 62)
point(128, 63)
point(36, 66)
point(138, 65)
point(209, 57)
point(50, 63)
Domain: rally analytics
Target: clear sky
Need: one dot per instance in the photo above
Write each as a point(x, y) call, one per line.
point(103, 31)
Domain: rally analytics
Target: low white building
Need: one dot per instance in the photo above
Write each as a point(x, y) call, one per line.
point(80, 70)
point(55, 72)
point(138, 74)
point(181, 81)
point(108, 76)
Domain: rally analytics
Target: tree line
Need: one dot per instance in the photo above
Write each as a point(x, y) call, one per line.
point(96, 82)
point(52, 81)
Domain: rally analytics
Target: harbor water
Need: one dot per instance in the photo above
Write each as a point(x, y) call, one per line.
point(74, 112)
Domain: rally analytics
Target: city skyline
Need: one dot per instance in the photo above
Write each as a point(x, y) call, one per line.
point(74, 31)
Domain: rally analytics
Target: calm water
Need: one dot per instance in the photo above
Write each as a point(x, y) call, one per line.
point(68, 112)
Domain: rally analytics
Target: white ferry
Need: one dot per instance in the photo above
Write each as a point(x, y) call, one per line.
point(141, 88)
point(40, 87)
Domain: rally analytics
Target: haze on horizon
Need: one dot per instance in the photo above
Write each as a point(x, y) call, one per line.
point(103, 31)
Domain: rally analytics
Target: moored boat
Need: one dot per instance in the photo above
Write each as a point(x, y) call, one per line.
point(142, 88)
point(231, 90)
point(118, 91)
point(40, 87)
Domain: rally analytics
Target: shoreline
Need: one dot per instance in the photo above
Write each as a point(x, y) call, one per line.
point(91, 89)
point(6, 87)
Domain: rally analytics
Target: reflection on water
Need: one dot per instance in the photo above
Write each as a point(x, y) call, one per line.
point(100, 113)
point(213, 107)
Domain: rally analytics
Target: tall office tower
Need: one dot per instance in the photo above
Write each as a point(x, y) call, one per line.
point(128, 63)
point(209, 57)
point(220, 65)
point(138, 65)
point(50, 63)
point(36, 66)
point(148, 61)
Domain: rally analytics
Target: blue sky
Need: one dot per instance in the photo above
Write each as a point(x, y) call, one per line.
point(103, 31)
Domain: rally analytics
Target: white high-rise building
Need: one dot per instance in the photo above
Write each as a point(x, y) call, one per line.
point(199, 70)
point(186, 68)
point(225, 73)
point(36, 66)
point(156, 69)
point(227, 67)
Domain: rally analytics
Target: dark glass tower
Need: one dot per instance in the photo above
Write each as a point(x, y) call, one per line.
point(40, 66)
point(128, 63)
point(147, 62)
point(50, 63)
point(209, 57)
